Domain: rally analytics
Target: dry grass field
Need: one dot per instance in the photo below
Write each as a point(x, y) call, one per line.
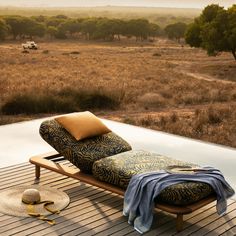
point(159, 85)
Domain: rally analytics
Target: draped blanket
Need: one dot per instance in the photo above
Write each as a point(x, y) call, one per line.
point(139, 200)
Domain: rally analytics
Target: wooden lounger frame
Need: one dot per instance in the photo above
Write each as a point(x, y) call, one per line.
point(46, 161)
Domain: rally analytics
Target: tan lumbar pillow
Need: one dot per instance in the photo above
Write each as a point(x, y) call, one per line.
point(82, 125)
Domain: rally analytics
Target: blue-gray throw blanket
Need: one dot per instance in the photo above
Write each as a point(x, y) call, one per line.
point(144, 188)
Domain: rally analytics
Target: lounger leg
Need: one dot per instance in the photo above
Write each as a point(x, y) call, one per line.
point(179, 222)
point(37, 172)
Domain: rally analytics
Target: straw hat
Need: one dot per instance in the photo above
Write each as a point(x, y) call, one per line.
point(22, 200)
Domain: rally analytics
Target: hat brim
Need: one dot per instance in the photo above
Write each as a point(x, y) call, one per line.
point(11, 200)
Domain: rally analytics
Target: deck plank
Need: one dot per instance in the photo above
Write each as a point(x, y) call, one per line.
point(201, 222)
point(95, 211)
point(224, 227)
point(230, 232)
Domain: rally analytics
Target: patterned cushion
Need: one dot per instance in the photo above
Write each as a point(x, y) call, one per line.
point(85, 152)
point(119, 169)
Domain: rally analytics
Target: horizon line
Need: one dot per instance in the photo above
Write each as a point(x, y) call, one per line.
point(133, 6)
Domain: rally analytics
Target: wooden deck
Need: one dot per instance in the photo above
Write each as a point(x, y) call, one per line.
point(93, 211)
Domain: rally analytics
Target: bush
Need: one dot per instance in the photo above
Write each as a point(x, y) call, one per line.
point(91, 99)
point(75, 52)
point(147, 121)
point(45, 51)
point(96, 100)
point(153, 100)
point(67, 100)
point(156, 54)
point(214, 116)
point(33, 104)
point(25, 51)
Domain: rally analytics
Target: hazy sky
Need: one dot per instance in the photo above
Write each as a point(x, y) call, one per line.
point(147, 3)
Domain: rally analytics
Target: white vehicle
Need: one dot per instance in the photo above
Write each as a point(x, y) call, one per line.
point(30, 45)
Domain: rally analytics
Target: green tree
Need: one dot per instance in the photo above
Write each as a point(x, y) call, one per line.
point(3, 29)
point(214, 30)
point(106, 29)
point(89, 27)
point(231, 33)
point(138, 28)
point(32, 28)
point(154, 30)
point(192, 35)
point(119, 26)
point(16, 25)
point(52, 31)
point(176, 31)
point(24, 26)
point(37, 29)
point(40, 18)
point(53, 21)
point(70, 26)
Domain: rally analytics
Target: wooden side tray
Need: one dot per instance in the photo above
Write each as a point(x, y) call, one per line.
point(46, 161)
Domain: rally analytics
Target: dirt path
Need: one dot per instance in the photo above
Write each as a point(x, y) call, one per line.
point(206, 77)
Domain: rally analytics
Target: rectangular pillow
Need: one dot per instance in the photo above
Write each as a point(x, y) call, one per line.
point(82, 125)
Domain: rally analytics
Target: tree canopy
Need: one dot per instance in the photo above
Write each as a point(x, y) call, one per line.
point(176, 31)
point(90, 28)
point(24, 26)
point(3, 29)
point(214, 30)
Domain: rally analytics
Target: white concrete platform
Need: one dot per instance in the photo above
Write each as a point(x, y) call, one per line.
point(20, 141)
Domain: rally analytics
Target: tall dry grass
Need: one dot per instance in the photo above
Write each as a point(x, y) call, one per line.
point(214, 123)
point(121, 77)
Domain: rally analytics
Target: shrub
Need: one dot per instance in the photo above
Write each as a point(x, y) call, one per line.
point(33, 104)
point(152, 100)
point(214, 116)
point(45, 51)
point(209, 116)
point(174, 117)
point(75, 52)
point(25, 51)
point(156, 54)
point(94, 99)
point(147, 121)
point(129, 120)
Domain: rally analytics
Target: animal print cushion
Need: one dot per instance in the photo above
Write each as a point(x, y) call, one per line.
point(119, 169)
point(85, 152)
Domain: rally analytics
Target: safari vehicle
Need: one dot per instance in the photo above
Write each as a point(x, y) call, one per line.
point(30, 45)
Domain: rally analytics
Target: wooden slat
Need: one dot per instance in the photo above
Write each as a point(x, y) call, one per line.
point(76, 206)
point(230, 222)
point(203, 220)
point(9, 168)
point(168, 227)
point(214, 224)
point(117, 223)
point(23, 225)
point(82, 222)
point(95, 211)
point(230, 232)
point(21, 171)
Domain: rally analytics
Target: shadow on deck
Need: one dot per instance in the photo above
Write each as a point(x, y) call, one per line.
point(94, 211)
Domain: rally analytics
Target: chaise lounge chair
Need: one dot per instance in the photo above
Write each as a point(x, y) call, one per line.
point(107, 161)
